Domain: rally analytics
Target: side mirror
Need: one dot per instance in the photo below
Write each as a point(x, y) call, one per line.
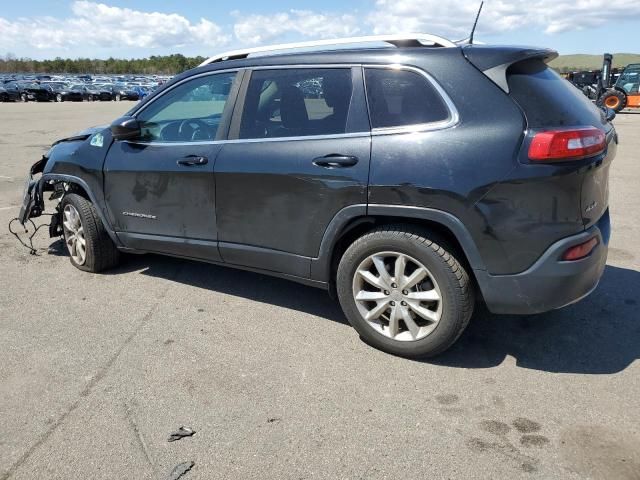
point(125, 128)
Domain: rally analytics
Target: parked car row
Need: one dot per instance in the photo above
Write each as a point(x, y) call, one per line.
point(45, 88)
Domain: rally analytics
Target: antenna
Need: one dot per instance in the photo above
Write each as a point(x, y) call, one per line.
point(473, 30)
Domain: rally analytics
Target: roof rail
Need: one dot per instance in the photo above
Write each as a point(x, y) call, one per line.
point(398, 40)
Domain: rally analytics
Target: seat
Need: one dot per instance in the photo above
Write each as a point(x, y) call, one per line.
point(336, 87)
point(293, 112)
point(379, 109)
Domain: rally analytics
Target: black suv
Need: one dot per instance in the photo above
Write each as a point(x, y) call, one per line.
point(410, 181)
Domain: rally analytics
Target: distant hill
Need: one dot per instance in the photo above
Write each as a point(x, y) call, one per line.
point(566, 63)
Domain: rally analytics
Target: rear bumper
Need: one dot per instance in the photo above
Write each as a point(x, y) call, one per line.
point(549, 283)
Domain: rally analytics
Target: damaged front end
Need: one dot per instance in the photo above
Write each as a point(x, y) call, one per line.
point(32, 202)
point(33, 197)
point(36, 185)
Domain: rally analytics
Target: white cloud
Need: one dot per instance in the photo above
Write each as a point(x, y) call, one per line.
point(94, 28)
point(455, 19)
point(255, 29)
point(556, 16)
point(100, 25)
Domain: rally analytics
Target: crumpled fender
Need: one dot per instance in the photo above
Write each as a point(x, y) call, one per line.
point(74, 159)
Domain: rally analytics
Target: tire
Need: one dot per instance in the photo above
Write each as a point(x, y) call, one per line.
point(23, 98)
point(118, 98)
point(613, 99)
point(100, 253)
point(446, 278)
point(59, 98)
point(4, 98)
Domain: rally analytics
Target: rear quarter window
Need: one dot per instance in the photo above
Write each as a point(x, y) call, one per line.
point(400, 98)
point(547, 99)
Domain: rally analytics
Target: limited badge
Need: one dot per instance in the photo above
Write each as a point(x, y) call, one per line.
point(97, 140)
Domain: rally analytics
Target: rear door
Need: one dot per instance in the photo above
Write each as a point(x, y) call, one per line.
point(160, 189)
point(300, 155)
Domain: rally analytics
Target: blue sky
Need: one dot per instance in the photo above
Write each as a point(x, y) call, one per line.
point(73, 28)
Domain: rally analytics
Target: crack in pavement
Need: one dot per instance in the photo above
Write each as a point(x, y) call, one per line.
point(91, 385)
point(138, 434)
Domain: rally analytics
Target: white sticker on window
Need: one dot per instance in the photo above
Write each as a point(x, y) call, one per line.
point(97, 140)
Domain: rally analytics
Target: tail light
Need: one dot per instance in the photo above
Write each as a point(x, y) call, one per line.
point(567, 144)
point(580, 251)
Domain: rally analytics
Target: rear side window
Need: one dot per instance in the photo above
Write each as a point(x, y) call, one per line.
point(296, 102)
point(547, 99)
point(399, 98)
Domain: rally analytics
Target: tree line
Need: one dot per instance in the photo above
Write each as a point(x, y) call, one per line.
point(154, 65)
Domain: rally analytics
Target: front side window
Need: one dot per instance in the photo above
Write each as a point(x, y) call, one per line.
point(296, 102)
point(190, 112)
point(399, 98)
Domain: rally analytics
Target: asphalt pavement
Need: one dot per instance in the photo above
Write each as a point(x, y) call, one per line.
point(98, 370)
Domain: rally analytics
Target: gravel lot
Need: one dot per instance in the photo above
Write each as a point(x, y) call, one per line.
point(97, 370)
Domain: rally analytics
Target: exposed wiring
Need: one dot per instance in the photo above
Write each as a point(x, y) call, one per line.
point(30, 247)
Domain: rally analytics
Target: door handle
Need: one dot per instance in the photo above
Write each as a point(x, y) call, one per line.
point(192, 160)
point(335, 160)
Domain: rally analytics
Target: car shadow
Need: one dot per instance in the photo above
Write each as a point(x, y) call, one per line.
point(599, 335)
point(239, 283)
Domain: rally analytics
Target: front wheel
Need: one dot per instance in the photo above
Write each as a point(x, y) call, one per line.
point(24, 98)
point(404, 291)
point(118, 98)
point(89, 245)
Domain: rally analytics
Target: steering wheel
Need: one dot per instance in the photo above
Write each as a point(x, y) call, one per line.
point(187, 131)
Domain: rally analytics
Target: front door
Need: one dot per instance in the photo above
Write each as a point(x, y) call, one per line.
point(301, 154)
point(160, 189)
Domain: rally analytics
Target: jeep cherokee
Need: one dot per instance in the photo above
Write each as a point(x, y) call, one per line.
point(408, 179)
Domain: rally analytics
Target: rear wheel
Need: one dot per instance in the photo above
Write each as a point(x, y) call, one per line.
point(404, 291)
point(118, 98)
point(89, 245)
point(23, 97)
point(4, 97)
point(59, 98)
point(613, 99)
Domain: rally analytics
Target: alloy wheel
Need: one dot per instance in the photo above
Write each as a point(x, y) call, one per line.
point(74, 234)
point(397, 296)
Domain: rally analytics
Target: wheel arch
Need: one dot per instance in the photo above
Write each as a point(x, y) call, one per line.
point(355, 221)
point(80, 187)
